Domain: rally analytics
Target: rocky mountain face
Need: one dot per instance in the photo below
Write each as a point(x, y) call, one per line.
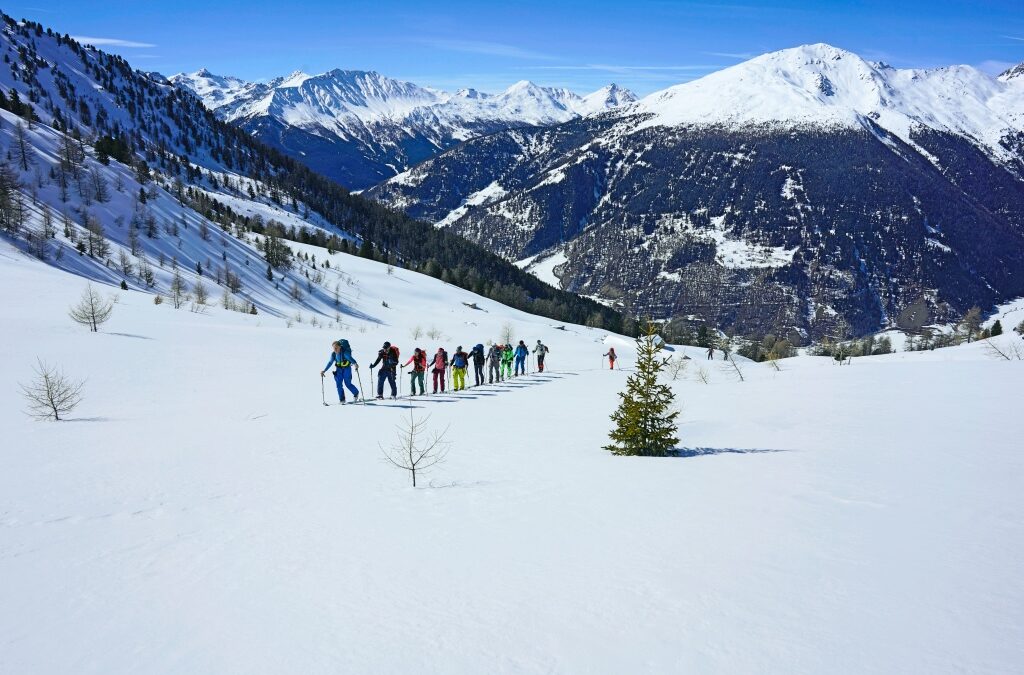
point(806, 192)
point(360, 128)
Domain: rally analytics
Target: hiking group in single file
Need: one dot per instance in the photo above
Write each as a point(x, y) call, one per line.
point(501, 361)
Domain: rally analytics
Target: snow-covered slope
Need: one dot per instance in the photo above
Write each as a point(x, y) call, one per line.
point(116, 175)
point(383, 125)
point(820, 86)
point(202, 512)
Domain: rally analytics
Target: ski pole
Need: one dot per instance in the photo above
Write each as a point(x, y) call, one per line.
point(371, 376)
point(400, 382)
point(361, 390)
point(323, 397)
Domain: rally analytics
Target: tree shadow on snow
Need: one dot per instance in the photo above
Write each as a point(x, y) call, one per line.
point(701, 452)
point(87, 419)
point(132, 335)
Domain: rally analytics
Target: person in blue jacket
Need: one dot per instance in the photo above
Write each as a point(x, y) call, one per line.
point(342, 360)
point(521, 353)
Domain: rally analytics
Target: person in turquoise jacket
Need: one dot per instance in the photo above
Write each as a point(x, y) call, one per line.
point(342, 360)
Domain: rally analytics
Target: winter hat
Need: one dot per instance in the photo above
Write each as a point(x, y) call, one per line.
point(459, 348)
point(386, 345)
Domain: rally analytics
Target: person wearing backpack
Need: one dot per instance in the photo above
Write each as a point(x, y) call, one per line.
point(419, 369)
point(460, 361)
point(440, 367)
point(387, 357)
point(611, 358)
point(506, 361)
point(521, 353)
point(494, 364)
point(341, 359)
point(540, 350)
point(479, 358)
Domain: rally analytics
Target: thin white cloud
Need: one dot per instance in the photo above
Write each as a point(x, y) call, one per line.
point(1014, 37)
point(488, 48)
point(111, 42)
point(995, 66)
point(743, 56)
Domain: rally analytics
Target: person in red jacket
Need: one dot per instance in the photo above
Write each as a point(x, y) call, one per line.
point(440, 367)
point(419, 369)
point(611, 358)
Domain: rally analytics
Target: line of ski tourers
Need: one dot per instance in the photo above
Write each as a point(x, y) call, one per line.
point(502, 361)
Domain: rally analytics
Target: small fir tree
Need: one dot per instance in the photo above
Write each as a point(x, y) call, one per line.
point(645, 419)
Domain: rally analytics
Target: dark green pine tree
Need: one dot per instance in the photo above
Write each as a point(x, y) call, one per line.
point(997, 328)
point(645, 421)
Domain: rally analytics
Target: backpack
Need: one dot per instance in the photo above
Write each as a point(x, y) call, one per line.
point(391, 359)
point(344, 359)
point(459, 360)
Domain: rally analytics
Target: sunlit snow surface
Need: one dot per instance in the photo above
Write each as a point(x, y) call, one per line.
point(202, 512)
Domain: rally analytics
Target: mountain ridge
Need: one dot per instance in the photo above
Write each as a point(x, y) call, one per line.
point(360, 127)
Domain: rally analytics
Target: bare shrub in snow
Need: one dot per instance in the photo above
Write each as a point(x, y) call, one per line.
point(51, 393)
point(416, 332)
point(179, 289)
point(433, 333)
point(675, 367)
point(92, 310)
point(508, 333)
point(703, 375)
point(733, 368)
point(1011, 351)
point(415, 450)
point(201, 294)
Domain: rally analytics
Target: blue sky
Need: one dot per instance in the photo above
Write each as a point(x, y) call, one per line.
point(645, 45)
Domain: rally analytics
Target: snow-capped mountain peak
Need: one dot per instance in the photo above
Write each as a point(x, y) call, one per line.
point(825, 86)
point(607, 97)
point(1014, 73)
point(393, 123)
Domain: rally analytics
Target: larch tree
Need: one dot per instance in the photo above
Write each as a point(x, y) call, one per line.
point(92, 310)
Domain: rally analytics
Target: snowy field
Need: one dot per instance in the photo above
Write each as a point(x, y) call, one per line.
point(202, 512)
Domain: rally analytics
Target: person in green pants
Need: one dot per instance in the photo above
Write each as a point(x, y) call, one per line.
point(507, 357)
point(419, 369)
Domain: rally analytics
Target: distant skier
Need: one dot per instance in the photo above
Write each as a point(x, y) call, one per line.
point(439, 367)
point(387, 357)
point(341, 359)
point(460, 362)
point(418, 373)
point(522, 351)
point(494, 364)
point(479, 358)
point(711, 354)
point(611, 358)
point(506, 361)
point(541, 351)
